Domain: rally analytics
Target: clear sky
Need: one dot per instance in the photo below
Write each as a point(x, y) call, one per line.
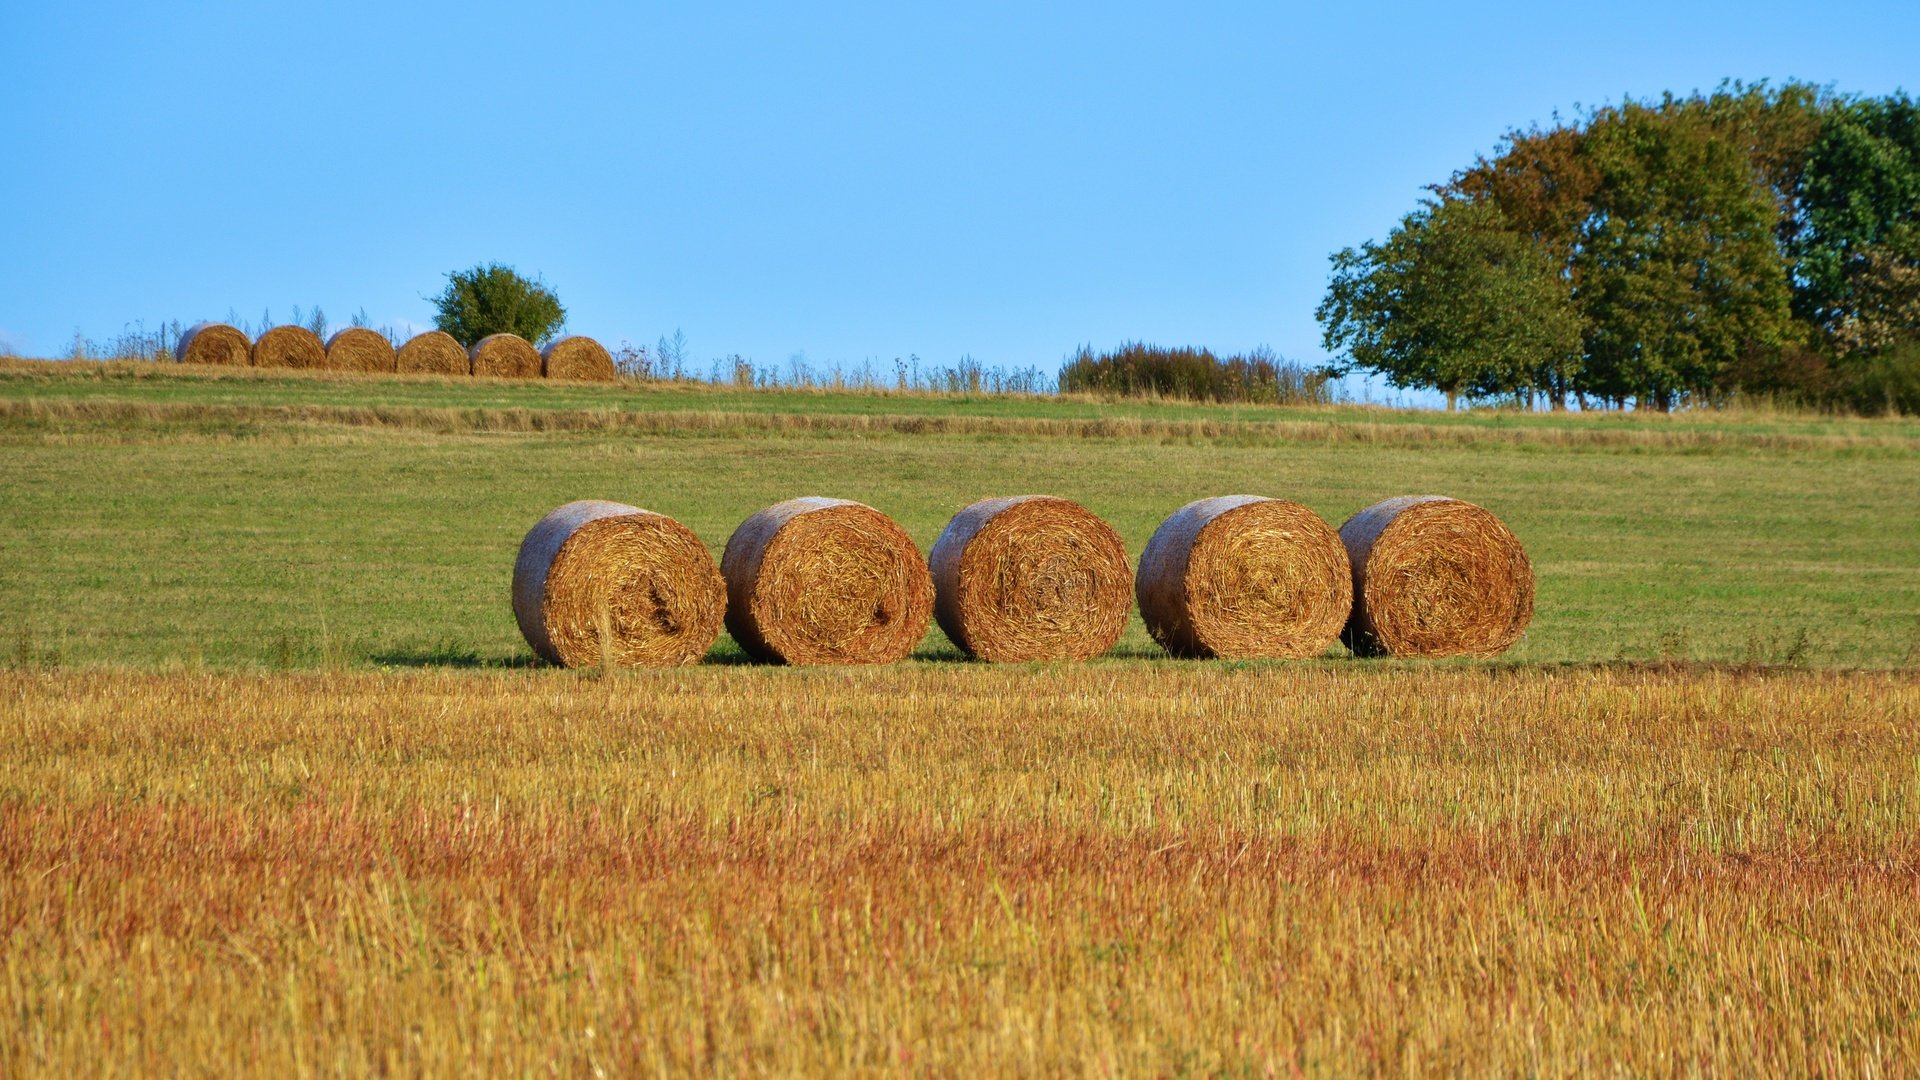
point(847, 181)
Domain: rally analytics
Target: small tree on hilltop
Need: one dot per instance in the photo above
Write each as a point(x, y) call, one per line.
point(494, 299)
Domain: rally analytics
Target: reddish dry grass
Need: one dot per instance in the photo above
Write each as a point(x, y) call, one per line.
point(951, 868)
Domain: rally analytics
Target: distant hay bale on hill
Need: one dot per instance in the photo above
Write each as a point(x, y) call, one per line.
point(289, 347)
point(359, 349)
point(435, 352)
point(214, 343)
point(1244, 577)
point(602, 582)
point(1434, 576)
point(825, 581)
point(577, 357)
point(1031, 577)
point(505, 356)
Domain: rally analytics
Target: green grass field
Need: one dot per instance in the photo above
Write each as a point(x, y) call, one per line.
point(156, 516)
point(382, 862)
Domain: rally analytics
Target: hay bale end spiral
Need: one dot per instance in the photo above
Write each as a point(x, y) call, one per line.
point(1434, 576)
point(602, 582)
point(825, 581)
point(1245, 577)
point(577, 357)
point(505, 356)
point(435, 352)
point(1031, 577)
point(214, 343)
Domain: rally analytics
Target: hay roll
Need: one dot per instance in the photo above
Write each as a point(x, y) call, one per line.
point(435, 352)
point(289, 347)
point(601, 580)
point(1031, 577)
point(1434, 576)
point(825, 581)
point(359, 349)
point(214, 343)
point(1245, 577)
point(577, 358)
point(505, 356)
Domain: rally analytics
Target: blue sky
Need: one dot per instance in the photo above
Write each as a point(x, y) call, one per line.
point(846, 181)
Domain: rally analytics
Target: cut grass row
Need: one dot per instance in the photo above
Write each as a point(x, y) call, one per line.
point(1128, 869)
point(170, 384)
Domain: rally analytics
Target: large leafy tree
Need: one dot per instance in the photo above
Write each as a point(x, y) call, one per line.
point(1456, 300)
point(1678, 265)
point(494, 299)
point(1860, 222)
point(1664, 227)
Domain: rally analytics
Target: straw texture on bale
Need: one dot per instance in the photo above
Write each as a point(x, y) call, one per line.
point(1434, 576)
point(505, 356)
point(1245, 577)
point(289, 347)
point(825, 581)
point(435, 352)
point(214, 343)
point(603, 582)
point(359, 349)
point(1031, 577)
point(577, 358)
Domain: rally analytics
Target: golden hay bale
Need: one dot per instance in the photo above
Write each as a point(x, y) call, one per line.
point(1434, 576)
point(1242, 577)
point(577, 358)
point(1031, 577)
point(825, 581)
point(289, 347)
point(214, 343)
point(505, 356)
point(435, 352)
point(359, 349)
point(602, 582)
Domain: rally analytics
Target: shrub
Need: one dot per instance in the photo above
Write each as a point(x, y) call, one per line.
point(1139, 370)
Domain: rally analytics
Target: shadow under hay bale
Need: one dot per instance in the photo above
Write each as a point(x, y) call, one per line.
point(825, 581)
point(1031, 577)
point(505, 356)
point(289, 347)
point(577, 357)
point(359, 349)
point(1434, 576)
point(606, 583)
point(1245, 577)
point(214, 343)
point(435, 352)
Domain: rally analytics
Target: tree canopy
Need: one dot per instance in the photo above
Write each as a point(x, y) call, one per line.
point(1758, 239)
point(494, 299)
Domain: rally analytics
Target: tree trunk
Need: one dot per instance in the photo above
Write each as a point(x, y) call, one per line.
point(1452, 396)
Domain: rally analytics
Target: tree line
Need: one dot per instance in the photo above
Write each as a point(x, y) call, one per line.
point(1757, 240)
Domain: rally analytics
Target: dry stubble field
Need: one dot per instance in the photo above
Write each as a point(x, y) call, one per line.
point(1703, 864)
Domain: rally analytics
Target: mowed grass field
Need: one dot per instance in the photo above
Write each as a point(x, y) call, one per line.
point(281, 794)
point(155, 517)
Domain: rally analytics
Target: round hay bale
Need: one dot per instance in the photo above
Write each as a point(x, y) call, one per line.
point(505, 356)
point(577, 358)
point(602, 582)
point(1245, 577)
point(1434, 576)
point(825, 581)
point(214, 343)
point(435, 352)
point(359, 349)
point(289, 347)
point(1031, 577)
